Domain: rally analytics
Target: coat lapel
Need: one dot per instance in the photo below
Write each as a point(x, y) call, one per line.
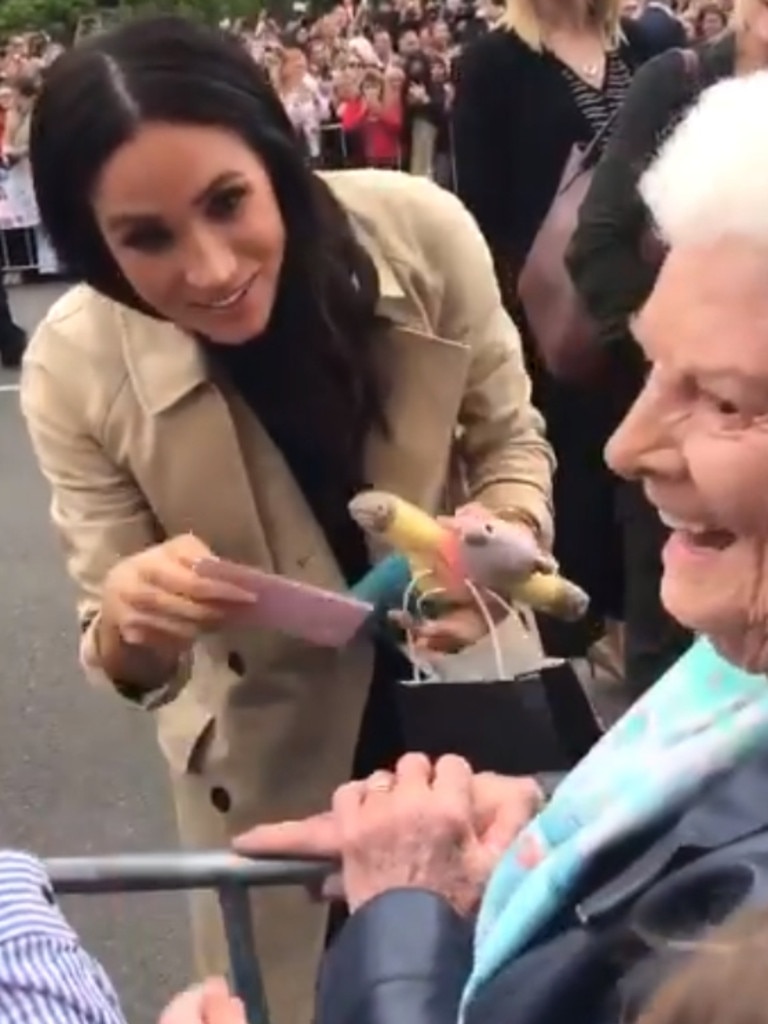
point(213, 470)
point(428, 378)
point(195, 472)
point(731, 809)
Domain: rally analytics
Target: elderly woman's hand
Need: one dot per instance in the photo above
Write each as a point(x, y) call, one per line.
point(500, 807)
point(413, 829)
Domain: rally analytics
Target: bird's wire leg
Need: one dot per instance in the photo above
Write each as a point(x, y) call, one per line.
point(410, 640)
point(493, 634)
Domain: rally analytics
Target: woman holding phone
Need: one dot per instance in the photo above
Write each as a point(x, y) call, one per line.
point(253, 344)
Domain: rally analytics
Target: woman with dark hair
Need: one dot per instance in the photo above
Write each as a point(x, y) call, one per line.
point(253, 343)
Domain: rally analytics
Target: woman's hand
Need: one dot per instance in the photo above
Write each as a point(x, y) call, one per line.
point(451, 632)
point(156, 599)
point(501, 807)
point(412, 829)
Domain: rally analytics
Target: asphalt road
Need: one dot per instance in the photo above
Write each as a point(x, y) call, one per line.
point(80, 772)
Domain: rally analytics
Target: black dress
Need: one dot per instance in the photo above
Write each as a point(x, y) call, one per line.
point(517, 115)
point(612, 272)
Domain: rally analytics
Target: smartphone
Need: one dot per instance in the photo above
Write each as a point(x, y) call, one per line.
point(308, 613)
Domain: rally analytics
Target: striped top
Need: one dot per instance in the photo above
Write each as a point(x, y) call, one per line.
point(599, 104)
point(46, 977)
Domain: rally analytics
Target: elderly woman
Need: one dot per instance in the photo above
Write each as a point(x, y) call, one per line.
point(662, 830)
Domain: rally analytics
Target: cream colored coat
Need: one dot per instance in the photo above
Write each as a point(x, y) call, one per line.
point(138, 444)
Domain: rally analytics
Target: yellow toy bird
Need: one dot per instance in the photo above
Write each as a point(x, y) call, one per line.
point(451, 557)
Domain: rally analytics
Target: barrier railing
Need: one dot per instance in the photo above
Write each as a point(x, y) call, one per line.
point(231, 876)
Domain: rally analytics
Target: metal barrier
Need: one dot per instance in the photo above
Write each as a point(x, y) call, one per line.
point(231, 876)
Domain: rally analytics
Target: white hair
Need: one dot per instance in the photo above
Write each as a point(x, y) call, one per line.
point(710, 178)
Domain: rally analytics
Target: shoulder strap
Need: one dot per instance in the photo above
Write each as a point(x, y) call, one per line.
point(598, 138)
point(692, 65)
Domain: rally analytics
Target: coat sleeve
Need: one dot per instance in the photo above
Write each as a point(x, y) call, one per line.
point(504, 453)
point(96, 507)
point(605, 256)
point(403, 958)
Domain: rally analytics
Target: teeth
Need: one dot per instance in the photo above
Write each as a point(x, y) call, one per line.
point(230, 299)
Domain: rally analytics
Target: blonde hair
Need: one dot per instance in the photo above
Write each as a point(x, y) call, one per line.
point(723, 983)
point(521, 17)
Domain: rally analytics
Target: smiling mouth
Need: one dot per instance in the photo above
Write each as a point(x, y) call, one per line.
point(698, 535)
point(229, 300)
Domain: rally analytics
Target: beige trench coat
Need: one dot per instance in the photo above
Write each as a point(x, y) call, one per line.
point(138, 444)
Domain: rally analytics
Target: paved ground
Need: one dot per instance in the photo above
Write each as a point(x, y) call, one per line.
point(79, 772)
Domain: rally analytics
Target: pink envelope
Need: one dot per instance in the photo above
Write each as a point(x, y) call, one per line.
point(309, 613)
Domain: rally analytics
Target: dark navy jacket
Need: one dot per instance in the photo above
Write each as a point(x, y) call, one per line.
point(404, 957)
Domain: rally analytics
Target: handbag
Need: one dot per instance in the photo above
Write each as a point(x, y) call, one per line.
point(541, 722)
point(534, 717)
point(563, 331)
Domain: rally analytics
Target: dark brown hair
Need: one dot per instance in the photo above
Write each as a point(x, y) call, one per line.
point(171, 69)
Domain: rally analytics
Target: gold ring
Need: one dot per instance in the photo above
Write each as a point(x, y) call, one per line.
point(379, 782)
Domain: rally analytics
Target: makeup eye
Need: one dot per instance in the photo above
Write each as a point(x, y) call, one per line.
point(148, 238)
point(226, 203)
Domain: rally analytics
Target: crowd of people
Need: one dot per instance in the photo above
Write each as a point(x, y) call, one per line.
point(367, 84)
point(364, 85)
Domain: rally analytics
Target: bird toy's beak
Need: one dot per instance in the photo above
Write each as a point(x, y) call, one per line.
point(371, 511)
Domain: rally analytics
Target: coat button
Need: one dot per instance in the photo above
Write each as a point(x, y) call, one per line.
point(236, 663)
point(221, 799)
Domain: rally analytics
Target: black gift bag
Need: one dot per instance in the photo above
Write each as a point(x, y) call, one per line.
point(539, 722)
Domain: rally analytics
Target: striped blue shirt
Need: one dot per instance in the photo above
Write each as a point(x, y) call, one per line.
point(46, 977)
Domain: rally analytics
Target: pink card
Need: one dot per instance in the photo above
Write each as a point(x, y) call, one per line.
point(287, 606)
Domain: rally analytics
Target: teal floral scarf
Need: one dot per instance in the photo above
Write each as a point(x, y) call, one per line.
point(701, 718)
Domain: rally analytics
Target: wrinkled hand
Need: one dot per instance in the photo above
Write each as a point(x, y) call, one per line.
point(155, 599)
point(413, 830)
point(207, 1003)
point(500, 807)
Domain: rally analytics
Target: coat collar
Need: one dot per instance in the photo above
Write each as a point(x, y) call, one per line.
point(730, 810)
point(165, 364)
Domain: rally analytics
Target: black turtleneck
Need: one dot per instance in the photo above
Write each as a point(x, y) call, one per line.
point(296, 402)
point(289, 394)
